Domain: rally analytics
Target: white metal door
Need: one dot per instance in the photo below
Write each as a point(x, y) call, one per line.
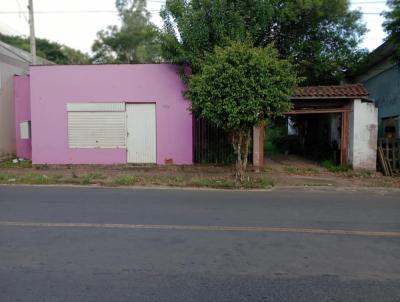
point(141, 133)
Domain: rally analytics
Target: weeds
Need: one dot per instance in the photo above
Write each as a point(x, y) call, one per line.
point(20, 164)
point(125, 180)
point(180, 181)
point(91, 177)
point(33, 179)
point(331, 167)
point(345, 170)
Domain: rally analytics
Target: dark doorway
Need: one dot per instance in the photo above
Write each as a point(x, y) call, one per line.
point(312, 136)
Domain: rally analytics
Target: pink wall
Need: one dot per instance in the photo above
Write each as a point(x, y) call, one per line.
point(22, 113)
point(52, 87)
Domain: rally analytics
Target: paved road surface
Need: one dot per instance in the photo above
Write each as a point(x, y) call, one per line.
point(89, 244)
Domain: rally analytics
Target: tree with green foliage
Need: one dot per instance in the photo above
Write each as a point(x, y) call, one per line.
point(321, 36)
point(238, 87)
point(392, 24)
point(52, 51)
point(135, 41)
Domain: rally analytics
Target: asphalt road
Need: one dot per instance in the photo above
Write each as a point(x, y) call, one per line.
point(93, 244)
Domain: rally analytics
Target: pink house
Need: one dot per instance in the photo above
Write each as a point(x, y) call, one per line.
point(103, 114)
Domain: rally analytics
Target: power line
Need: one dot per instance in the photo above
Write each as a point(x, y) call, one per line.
point(101, 12)
point(368, 2)
point(70, 12)
point(156, 10)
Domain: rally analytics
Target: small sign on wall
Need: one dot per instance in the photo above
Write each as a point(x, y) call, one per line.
point(25, 129)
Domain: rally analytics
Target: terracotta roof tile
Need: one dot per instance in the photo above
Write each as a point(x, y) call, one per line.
point(341, 91)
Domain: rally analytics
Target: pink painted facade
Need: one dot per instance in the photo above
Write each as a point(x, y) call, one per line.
point(22, 113)
point(52, 87)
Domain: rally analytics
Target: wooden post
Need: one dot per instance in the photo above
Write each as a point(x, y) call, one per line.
point(344, 138)
point(258, 148)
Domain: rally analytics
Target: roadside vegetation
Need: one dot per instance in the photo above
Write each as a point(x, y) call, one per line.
point(345, 170)
point(332, 167)
point(129, 180)
point(20, 164)
point(197, 176)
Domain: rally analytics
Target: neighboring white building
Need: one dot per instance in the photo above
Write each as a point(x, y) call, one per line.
point(13, 61)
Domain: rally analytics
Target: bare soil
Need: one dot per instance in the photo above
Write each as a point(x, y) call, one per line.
point(290, 170)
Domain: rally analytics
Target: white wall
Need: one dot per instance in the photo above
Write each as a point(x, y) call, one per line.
point(363, 135)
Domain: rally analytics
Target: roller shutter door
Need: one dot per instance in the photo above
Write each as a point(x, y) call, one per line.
point(96, 125)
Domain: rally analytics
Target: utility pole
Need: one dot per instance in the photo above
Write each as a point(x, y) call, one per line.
point(32, 32)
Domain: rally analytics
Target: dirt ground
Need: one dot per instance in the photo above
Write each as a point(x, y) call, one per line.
point(280, 170)
point(291, 170)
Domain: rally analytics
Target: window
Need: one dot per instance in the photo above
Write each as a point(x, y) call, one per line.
point(25, 129)
point(96, 125)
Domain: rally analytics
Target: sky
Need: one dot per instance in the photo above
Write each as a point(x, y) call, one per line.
point(76, 22)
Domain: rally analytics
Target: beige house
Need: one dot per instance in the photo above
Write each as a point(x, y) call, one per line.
point(13, 61)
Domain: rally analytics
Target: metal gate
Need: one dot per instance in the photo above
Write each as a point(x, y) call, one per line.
point(213, 145)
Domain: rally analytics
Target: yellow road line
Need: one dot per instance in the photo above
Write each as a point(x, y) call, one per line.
point(204, 228)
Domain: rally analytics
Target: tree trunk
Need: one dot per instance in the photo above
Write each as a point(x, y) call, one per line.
point(241, 141)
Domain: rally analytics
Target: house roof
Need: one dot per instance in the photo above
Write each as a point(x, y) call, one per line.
point(384, 51)
point(334, 92)
point(376, 58)
point(20, 54)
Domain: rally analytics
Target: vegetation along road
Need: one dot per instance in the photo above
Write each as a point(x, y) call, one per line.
point(99, 244)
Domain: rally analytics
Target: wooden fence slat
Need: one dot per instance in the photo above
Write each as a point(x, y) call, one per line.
point(382, 161)
point(389, 150)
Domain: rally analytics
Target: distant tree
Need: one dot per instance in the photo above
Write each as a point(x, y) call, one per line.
point(392, 24)
point(52, 51)
point(135, 41)
point(76, 56)
point(239, 86)
point(321, 36)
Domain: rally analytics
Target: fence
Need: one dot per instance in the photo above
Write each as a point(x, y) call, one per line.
point(212, 145)
point(391, 151)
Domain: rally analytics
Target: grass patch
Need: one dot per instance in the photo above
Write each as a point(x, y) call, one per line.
point(225, 183)
point(33, 179)
point(331, 167)
point(125, 180)
point(345, 170)
point(180, 181)
point(89, 178)
point(7, 164)
point(212, 183)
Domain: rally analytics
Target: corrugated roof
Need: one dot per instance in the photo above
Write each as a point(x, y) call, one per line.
point(22, 54)
point(340, 91)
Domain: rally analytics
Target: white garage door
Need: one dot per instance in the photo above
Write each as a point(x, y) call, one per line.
point(141, 131)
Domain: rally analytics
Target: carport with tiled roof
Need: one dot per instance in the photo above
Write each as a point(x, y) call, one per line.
point(329, 100)
point(345, 109)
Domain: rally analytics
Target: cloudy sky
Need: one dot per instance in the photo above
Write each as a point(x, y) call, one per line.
point(76, 22)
